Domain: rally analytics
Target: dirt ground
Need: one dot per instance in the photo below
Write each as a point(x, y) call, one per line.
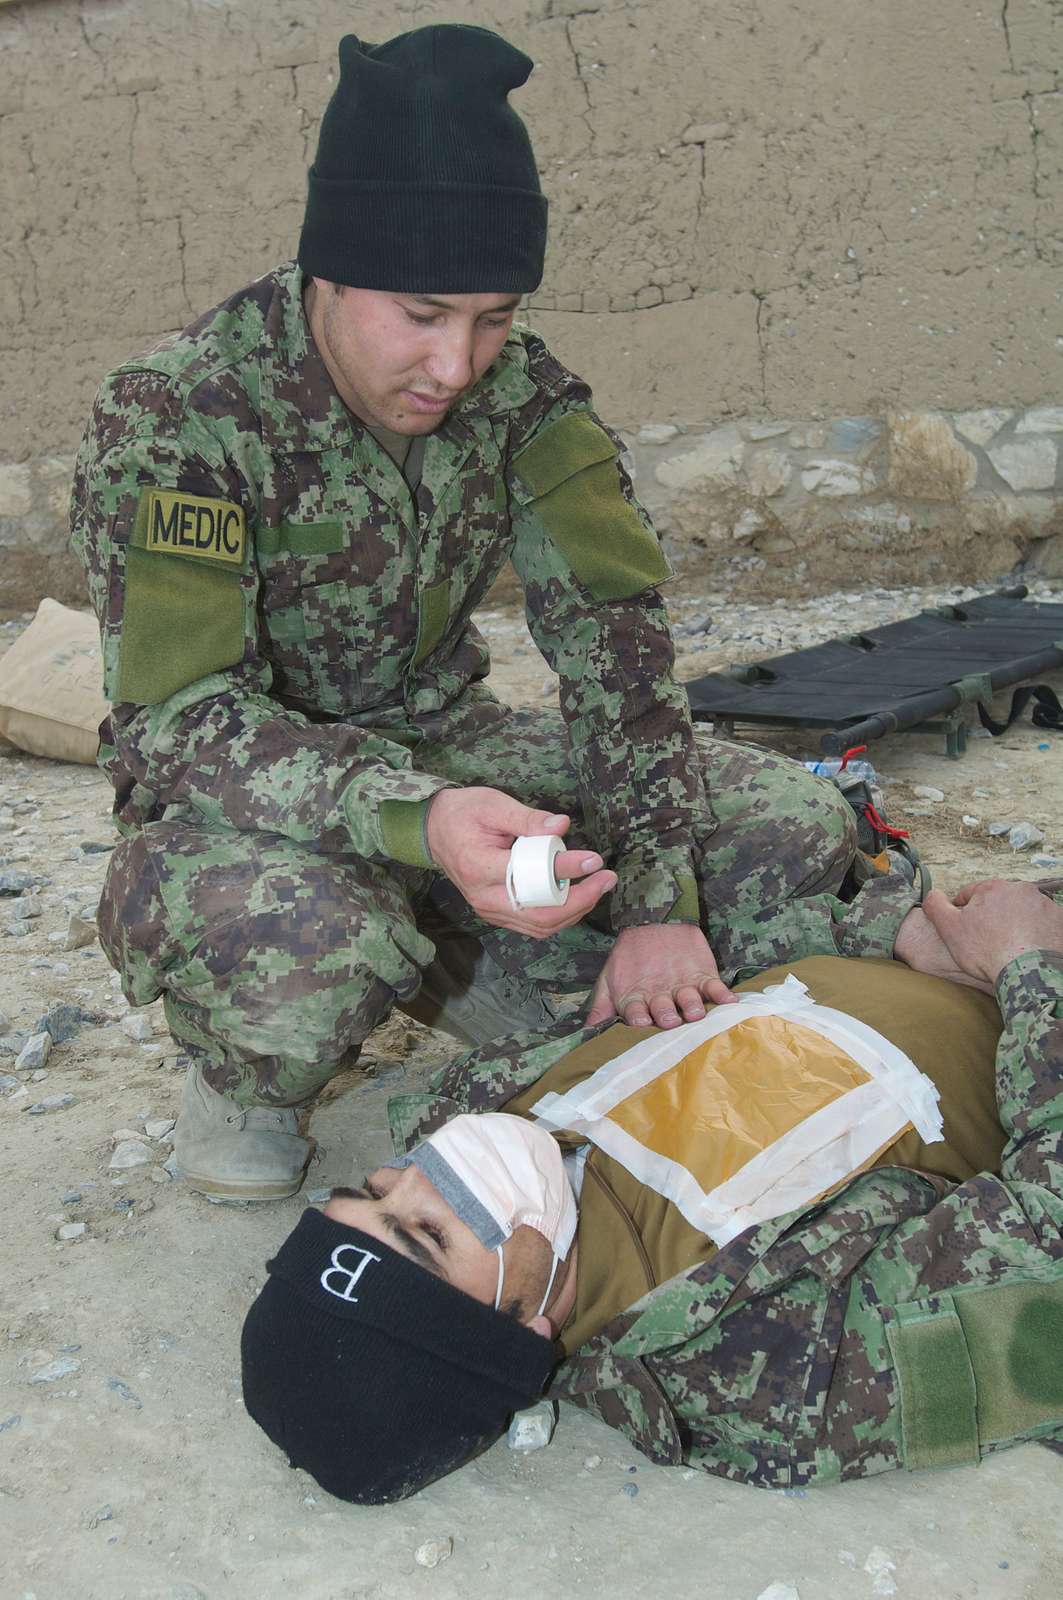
point(133, 1474)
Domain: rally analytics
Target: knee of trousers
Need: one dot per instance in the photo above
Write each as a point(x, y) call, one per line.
point(781, 831)
point(273, 951)
point(832, 843)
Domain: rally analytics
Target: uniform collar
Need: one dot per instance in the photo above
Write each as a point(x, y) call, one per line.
point(300, 407)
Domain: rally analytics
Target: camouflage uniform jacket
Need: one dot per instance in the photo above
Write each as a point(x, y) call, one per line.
point(284, 623)
point(800, 1353)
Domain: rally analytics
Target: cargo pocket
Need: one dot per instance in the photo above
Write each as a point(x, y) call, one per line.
point(308, 609)
point(569, 477)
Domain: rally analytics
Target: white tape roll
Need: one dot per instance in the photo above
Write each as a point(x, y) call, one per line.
point(530, 877)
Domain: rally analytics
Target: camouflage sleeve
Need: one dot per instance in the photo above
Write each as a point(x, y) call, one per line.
point(1030, 1085)
point(220, 745)
point(819, 925)
point(589, 560)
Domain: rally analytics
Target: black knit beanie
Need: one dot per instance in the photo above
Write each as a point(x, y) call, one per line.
point(424, 181)
point(373, 1374)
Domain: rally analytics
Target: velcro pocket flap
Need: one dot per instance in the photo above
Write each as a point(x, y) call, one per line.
point(571, 480)
point(573, 442)
point(939, 1417)
point(302, 538)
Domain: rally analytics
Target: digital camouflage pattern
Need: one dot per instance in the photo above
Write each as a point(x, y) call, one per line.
point(786, 1358)
point(355, 645)
point(288, 643)
point(276, 961)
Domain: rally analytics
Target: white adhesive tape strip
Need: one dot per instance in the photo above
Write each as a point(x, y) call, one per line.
point(530, 877)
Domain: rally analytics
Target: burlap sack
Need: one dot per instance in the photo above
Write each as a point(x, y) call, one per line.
point(51, 694)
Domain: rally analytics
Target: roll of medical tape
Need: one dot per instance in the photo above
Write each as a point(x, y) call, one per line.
point(530, 877)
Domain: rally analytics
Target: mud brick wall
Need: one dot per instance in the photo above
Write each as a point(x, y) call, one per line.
point(807, 250)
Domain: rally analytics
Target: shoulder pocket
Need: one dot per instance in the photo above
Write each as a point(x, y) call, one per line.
point(183, 614)
point(569, 477)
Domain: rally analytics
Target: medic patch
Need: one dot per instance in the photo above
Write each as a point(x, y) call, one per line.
point(171, 523)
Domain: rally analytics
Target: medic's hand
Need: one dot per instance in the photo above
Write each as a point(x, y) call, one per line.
point(658, 976)
point(470, 833)
point(992, 922)
point(921, 947)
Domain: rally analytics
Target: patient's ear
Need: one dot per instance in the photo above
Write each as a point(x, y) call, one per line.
point(541, 1325)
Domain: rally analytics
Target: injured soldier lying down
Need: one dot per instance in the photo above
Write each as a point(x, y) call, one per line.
point(816, 1236)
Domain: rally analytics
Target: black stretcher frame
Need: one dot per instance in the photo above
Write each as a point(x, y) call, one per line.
point(922, 672)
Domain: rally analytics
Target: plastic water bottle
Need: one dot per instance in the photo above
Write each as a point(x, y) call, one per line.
point(825, 768)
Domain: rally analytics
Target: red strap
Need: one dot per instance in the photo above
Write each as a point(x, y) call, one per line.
point(884, 827)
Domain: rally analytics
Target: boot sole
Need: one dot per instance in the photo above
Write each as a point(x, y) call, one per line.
point(280, 1190)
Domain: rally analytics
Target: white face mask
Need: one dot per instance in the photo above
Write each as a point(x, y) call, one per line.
point(497, 1172)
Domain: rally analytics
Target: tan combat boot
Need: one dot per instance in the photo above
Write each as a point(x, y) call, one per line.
point(238, 1152)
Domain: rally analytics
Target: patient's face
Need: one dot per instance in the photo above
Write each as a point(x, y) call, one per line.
point(401, 1208)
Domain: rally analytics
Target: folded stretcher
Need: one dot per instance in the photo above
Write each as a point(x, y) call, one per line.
point(919, 673)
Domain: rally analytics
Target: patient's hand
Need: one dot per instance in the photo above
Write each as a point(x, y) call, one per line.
point(992, 922)
point(921, 947)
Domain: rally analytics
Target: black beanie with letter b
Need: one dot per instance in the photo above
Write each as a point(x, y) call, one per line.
point(374, 1375)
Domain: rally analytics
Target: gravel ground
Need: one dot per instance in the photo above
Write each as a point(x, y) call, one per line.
point(126, 1466)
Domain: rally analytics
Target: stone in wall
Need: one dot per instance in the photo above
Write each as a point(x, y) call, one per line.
point(1048, 558)
point(927, 461)
point(34, 533)
point(836, 479)
point(1042, 419)
point(768, 472)
point(16, 495)
point(765, 430)
point(981, 426)
point(34, 504)
point(714, 460)
point(899, 496)
point(1026, 464)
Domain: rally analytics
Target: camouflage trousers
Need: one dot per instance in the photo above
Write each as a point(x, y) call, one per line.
point(275, 961)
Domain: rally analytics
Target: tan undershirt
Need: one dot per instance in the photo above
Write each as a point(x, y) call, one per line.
point(406, 450)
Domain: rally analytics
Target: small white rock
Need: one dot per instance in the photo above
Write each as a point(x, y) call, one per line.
point(926, 791)
point(996, 830)
point(62, 1367)
point(159, 1127)
point(70, 1231)
point(51, 1102)
point(130, 1153)
point(532, 1428)
point(881, 1566)
point(79, 933)
point(972, 822)
point(433, 1551)
point(1023, 835)
point(34, 1053)
point(137, 1027)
